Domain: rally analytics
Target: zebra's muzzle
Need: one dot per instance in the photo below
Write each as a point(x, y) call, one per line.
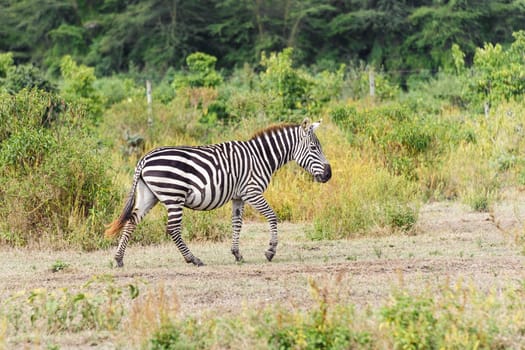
point(326, 175)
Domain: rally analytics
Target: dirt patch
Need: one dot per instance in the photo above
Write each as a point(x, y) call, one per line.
point(452, 243)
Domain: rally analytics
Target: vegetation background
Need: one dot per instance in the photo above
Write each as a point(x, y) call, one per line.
point(444, 122)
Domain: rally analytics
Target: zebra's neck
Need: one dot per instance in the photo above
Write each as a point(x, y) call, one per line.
point(274, 147)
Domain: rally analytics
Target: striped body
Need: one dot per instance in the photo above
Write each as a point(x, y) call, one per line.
point(207, 177)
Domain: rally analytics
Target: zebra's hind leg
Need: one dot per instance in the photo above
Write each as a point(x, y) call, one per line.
point(144, 201)
point(260, 204)
point(237, 211)
point(129, 227)
point(174, 231)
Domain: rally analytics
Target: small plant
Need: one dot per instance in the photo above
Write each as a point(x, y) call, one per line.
point(412, 322)
point(166, 338)
point(323, 327)
point(378, 252)
point(59, 265)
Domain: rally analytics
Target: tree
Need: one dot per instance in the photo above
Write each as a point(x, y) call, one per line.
point(152, 34)
point(25, 25)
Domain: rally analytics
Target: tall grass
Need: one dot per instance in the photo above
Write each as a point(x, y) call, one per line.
point(386, 161)
point(64, 175)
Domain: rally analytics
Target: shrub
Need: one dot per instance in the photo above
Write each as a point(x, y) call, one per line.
point(357, 83)
point(55, 186)
point(324, 326)
point(206, 225)
point(201, 72)
point(166, 338)
point(291, 86)
point(497, 73)
point(26, 76)
point(78, 87)
point(116, 89)
point(372, 201)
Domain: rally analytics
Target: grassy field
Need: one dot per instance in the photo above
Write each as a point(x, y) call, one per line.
point(452, 247)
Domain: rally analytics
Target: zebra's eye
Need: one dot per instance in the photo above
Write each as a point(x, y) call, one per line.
point(312, 147)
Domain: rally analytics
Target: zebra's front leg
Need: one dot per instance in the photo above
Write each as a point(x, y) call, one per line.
point(173, 229)
point(237, 211)
point(260, 204)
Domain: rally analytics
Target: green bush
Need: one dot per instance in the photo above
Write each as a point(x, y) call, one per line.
point(290, 85)
point(403, 140)
point(54, 179)
point(453, 318)
point(78, 87)
point(322, 327)
point(497, 73)
point(166, 338)
point(201, 72)
point(357, 83)
point(412, 321)
point(116, 89)
point(99, 305)
point(26, 76)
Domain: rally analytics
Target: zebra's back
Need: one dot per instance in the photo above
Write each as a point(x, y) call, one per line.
point(200, 177)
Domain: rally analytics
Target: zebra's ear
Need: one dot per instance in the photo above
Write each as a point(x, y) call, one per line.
point(316, 125)
point(305, 124)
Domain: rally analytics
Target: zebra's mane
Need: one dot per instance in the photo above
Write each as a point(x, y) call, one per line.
point(273, 128)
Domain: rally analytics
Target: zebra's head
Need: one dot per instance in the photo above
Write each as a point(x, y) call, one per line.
point(309, 154)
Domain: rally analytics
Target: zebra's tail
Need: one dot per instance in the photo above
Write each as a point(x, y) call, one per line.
point(114, 228)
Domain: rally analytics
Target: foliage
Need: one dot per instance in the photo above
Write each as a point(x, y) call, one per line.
point(115, 89)
point(78, 86)
point(59, 265)
point(201, 72)
point(6, 62)
point(322, 327)
point(206, 225)
point(14, 78)
point(111, 36)
point(449, 320)
point(452, 317)
point(289, 85)
point(400, 139)
point(498, 73)
point(357, 83)
point(65, 310)
point(53, 175)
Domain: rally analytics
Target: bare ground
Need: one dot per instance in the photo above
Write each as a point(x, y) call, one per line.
point(451, 243)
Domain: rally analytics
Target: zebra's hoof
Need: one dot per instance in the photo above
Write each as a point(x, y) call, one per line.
point(238, 256)
point(269, 254)
point(196, 261)
point(120, 262)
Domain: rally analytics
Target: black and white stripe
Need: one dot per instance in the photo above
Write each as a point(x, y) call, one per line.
point(207, 177)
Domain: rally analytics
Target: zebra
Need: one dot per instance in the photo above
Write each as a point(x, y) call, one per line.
point(207, 177)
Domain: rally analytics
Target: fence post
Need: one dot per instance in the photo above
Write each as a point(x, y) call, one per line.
point(372, 82)
point(149, 99)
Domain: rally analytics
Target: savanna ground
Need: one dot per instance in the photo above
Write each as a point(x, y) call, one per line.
point(452, 244)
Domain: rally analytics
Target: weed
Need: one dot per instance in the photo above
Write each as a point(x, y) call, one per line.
point(99, 305)
point(321, 328)
point(166, 338)
point(151, 318)
point(378, 252)
point(59, 265)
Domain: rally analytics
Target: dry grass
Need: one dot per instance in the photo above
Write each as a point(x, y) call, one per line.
point(452, 244)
